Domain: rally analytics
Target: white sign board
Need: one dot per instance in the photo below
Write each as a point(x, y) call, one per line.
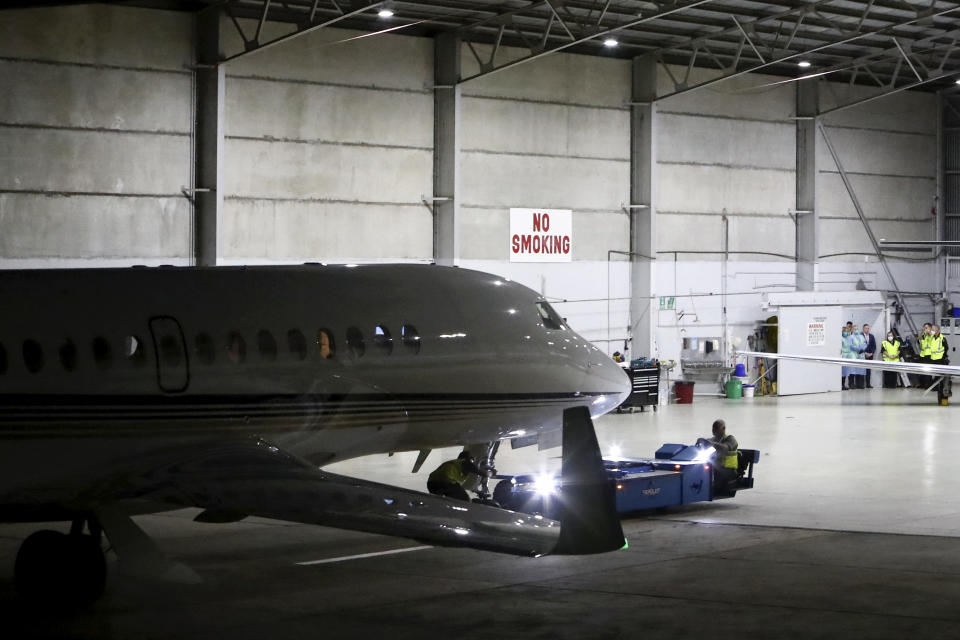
point(817, 332)
point(541, 235)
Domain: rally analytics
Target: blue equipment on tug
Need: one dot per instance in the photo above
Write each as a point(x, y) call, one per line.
point(677, 474)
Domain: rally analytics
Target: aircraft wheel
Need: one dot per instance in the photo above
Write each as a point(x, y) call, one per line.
point(60, 571)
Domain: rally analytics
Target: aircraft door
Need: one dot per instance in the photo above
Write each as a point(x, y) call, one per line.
point(170, 348)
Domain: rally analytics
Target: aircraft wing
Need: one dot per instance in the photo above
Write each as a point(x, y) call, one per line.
point(920, 368)
point(255, 478)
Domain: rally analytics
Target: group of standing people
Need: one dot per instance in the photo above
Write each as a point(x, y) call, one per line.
point(857, 345)
point(861, 345)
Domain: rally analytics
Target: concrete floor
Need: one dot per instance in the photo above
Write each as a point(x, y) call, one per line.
point(815, 550)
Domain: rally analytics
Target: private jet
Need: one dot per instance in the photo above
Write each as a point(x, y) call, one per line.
point(138, 390)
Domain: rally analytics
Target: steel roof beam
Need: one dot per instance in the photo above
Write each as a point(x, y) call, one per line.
point(585, 34)
point(734, 69)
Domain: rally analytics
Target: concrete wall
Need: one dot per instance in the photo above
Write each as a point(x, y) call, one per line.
point(329, 150)
point(553, 133)
point(95, 142)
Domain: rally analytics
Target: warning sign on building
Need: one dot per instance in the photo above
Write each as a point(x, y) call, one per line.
point(817, 333)
point(541, 235)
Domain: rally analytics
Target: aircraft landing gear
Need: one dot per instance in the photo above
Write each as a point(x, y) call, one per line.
point(486, 464)
point(62, 570)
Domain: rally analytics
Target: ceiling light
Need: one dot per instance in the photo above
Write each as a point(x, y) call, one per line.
point(385, 13)
point(609, 42)
point(803, 64)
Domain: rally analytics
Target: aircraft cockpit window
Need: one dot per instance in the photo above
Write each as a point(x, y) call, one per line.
point(382, 340)
point(549, 317)
point(3, 359)
point(325, 343)
point(68, 355)
point(102, 353)
point(355, 344)
point(203, 347)
point(170, 351)
point(410, 338)
point(297, 344)
point(133, 351)
point(267, 345)
point(236, 348)
point(32, 355)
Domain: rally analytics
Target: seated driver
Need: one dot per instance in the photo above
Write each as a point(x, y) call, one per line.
point(450, 478)
point(727, 461)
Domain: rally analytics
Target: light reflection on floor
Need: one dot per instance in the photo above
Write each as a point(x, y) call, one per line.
point(865, 460)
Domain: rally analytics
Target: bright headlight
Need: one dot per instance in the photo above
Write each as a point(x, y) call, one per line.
point(704, 454)
point(545, 485)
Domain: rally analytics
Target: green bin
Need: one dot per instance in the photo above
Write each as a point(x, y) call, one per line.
point(734, 389)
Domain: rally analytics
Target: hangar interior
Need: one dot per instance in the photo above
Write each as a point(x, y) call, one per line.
point(712, 154)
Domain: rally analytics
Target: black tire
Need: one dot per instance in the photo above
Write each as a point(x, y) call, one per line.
point(58, 571)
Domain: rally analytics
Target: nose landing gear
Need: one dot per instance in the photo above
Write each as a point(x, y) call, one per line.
point(59, 570)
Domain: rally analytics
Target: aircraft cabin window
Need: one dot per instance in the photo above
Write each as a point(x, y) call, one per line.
point(325, 343)
point(3, 359)
point(236, 348)
point(102, 354)
point(171, 351)
point(203, 347)
point(550, 318)
point(297, 344)
point(68, 355)
point(267, 345)
point(410, 338)
point(355, 344)
point(382, 340)
point(134, 351)
point(32, 355)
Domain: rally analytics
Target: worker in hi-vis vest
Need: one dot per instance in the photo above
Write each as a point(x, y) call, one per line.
point(451, 477)
point(890, 351)
point(727, 461)
point(923, 342)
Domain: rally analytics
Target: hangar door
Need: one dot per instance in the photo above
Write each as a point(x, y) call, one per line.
point(809, 331)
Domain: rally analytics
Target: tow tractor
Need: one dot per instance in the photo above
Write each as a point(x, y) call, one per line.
point(677, 474)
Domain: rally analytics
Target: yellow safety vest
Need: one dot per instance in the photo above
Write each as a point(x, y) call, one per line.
point(935, 346)
point(731, 461)
point(925, 345)
point(891, 351)
point(450, 471)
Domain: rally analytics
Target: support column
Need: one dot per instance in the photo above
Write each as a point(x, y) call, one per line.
point(807, 217)
point(446, 149)
point(643, 215)
point(208, 139)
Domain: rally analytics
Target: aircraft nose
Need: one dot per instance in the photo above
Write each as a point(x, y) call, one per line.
point(610, 380)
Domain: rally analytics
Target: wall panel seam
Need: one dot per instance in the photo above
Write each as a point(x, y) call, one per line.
point(336, 143)
point(239, 198)
point(59, 127)
point(185, 71)
point(784, 121)
point(735, 214)
point(332, 84)
point(724, 165)
point(491, 152)
point(506, 208)
point(554, 103)
point(92, 194)
point(879, 175)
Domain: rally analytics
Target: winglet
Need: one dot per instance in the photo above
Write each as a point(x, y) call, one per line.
point(587, 512)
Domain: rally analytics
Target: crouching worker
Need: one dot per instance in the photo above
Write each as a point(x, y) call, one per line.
point(727, 461)
point(450, 478)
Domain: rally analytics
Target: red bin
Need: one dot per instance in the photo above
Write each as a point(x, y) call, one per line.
point(684, 391)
